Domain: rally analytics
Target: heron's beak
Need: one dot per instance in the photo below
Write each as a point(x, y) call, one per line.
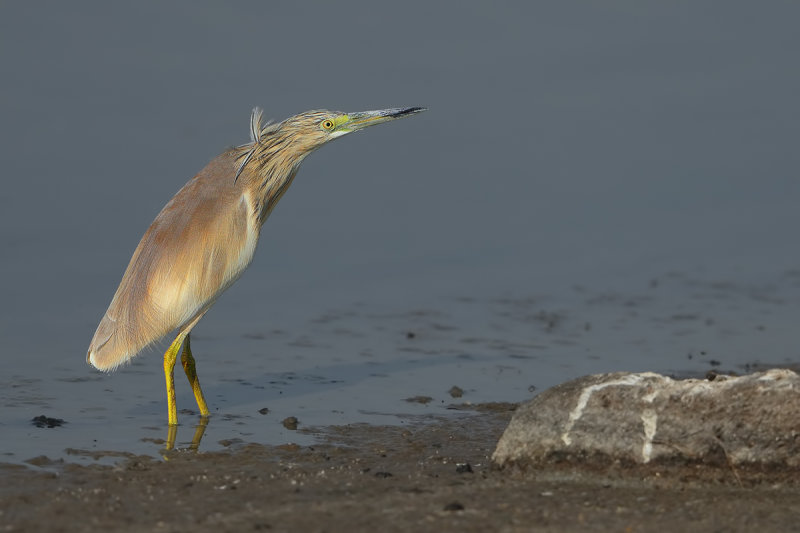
point(364, 119)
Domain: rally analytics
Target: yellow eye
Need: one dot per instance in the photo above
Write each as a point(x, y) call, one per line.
point(327, 124)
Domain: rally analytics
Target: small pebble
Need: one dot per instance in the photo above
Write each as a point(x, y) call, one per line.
point(456, 391)
point(453, 506)
point(42, 421)
point(420, 399)
point(463, 468)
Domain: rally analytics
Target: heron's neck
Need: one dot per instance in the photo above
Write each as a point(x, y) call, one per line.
point(269, 182)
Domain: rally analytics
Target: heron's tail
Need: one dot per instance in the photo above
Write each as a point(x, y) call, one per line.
point(110, 346)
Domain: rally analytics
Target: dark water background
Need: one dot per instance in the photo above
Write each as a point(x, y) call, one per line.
point(596, 187)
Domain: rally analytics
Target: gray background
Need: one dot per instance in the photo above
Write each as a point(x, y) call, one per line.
point(596, 187)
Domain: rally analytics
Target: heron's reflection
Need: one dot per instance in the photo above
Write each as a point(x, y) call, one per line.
point(199, 431)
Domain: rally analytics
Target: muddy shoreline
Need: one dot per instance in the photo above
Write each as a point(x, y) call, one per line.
point(428, 474)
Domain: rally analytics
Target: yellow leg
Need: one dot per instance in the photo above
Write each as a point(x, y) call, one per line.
point(187, 360)
point(169, 366)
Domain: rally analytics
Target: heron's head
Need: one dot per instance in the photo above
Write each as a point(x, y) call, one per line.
point(284, 145)
point(310, 130)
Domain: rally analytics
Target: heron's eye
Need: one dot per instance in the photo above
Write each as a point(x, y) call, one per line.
point(327, 124)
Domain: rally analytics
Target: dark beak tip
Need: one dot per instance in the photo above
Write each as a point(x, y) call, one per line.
point(408, 111)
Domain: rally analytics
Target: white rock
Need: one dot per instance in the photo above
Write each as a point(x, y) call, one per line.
point(649, 417)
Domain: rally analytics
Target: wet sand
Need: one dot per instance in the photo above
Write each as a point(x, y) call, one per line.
point(431, 473)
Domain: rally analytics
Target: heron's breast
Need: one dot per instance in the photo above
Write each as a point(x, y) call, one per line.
point(209, 262)
point(244, 240)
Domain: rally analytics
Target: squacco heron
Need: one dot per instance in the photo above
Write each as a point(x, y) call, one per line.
point(205, 237)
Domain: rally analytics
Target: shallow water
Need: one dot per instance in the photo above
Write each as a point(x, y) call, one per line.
point(593, 189)
point(363, 363)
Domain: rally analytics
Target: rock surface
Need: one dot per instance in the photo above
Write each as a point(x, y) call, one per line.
point(644, 418)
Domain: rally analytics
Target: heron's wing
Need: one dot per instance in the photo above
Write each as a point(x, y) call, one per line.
point(195, 248)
